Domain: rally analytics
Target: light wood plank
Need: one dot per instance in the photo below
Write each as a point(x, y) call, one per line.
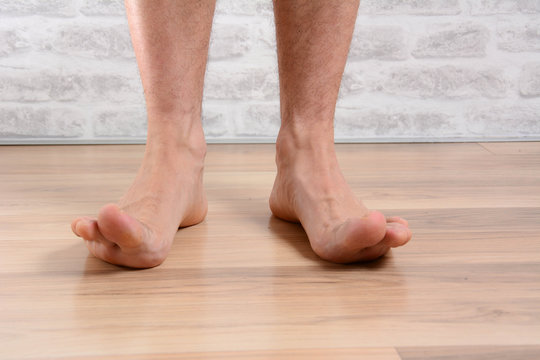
point(246, 285)
point(513, 148)
point(494, 352)
point(312, 354)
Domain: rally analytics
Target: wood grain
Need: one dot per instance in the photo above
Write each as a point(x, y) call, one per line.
point(244, 284)
point(472, 352)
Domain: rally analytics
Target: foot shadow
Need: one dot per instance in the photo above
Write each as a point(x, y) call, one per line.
point(382, 278)
point(294, 235)
point(76, 258)
point(66, 259)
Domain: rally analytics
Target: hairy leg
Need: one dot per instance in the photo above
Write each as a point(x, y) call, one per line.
point(313, 39)
point(170, 39)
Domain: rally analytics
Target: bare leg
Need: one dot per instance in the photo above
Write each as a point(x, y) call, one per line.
point(170, 39)
point(313, 40)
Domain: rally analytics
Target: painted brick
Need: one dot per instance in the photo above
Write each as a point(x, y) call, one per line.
point(120, 123)
point(42, 122)
point(396, 123)
point(113, 88)
point(227, 82)
point(492, 7)
point(259, 120)
point(216, 121)
point(412, 7)
point(453, 40)
point(33, 86)
point(62, 8)
point(378, 42)
point(529, 6)
point(229, 41)
point(529, 82)
point(412, 71)
point(132, 122)
point(241, 82)
point(511, 120)
point(517, 37)
point(446, 81)
point(13, 41)
point(94, 41)
point(264, 37)
point(243, 7)
point(353, 81)
point(103, 8)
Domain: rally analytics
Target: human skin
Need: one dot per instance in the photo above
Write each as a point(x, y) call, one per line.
point(170, 40)
point(313, 39)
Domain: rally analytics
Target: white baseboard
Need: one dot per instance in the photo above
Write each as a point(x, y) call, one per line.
point(253, 140)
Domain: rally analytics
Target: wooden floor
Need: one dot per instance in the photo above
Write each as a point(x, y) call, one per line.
point(244, 285)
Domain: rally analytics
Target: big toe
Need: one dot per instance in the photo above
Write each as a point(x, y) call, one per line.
point(360, 233)
point(119, 227)
point(352, 237)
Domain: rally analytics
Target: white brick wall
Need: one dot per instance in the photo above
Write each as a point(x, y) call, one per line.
point(418, 70)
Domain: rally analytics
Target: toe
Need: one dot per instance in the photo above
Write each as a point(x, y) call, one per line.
point(115, 237)
point(397, 234)
point(110, 252)
point(89, 231)
point(103, 251)
point(83, 227)
point(74, 226)
point(397, 219)
point(80, 222)
point(86, 228)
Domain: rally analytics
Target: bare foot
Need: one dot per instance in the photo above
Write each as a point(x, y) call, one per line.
point(310, 189)
point(166, 194)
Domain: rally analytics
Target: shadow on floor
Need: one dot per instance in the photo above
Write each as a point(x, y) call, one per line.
point(294, 235)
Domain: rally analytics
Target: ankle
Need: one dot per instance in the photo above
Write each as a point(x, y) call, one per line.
point(181, 138)
point(300, 131)
point(308, 146)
